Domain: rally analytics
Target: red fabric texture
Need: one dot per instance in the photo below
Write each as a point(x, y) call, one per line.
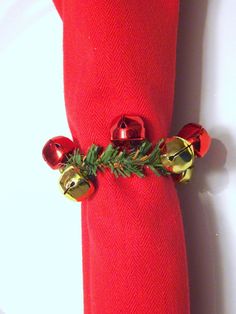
point(119, 58)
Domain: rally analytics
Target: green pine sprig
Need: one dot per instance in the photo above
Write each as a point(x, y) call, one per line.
point(119, 161)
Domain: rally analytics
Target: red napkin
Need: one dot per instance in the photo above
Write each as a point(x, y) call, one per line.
point(119, 58)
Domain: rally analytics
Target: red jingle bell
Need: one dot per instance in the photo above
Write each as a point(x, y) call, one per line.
point(127, 130)
point(56, 150)
point(197, 136)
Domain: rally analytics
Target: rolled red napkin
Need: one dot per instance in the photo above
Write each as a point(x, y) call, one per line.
point(119, 58)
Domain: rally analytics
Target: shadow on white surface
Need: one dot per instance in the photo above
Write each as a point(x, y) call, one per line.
point(210, 176)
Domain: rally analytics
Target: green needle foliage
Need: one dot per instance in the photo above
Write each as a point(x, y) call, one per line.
point(121, 162)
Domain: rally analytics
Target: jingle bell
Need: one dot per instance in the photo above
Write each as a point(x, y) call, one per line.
point(183, 177)
point(74, 185)
point(56, 150)
point(177, 154)
point(127, 130)
point(198, 136)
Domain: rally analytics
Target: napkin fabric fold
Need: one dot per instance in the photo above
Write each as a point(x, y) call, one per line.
point(119, 58)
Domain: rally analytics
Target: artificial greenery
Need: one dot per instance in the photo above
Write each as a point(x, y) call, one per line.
point(121, 162)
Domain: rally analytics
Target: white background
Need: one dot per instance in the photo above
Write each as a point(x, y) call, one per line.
point(40, 240)
point(40, 232)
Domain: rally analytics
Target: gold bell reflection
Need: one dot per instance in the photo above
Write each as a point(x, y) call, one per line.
point(74, 185)
point(183, 177)
point(177, 154)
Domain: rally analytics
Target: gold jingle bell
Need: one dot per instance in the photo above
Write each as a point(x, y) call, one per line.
point(183, 177)
point(177, 154)
point(74, 185)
